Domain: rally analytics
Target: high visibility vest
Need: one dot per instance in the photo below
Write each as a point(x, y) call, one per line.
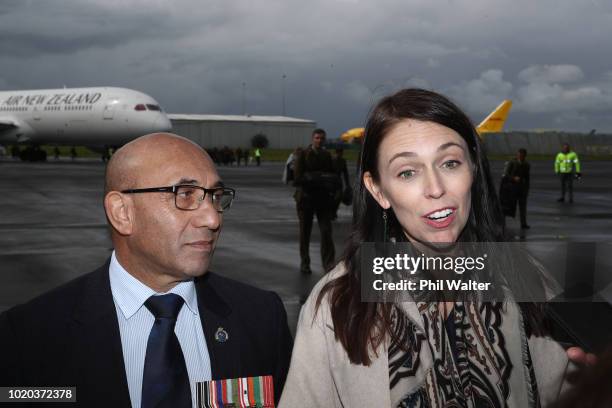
point(565, 162)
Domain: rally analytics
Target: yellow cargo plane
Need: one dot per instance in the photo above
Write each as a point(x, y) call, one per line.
point(493, 123)
point(349, 135)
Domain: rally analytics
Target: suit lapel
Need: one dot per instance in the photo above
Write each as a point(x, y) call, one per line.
point(220, 330)
point(98, 343)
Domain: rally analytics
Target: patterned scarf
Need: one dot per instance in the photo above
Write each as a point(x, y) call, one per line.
point(462, 360)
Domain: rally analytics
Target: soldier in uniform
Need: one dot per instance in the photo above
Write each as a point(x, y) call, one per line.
point(316, 184)
point(517, 172)
point(564, 166)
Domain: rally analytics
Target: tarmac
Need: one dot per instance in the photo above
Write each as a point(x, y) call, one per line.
point(53, 227)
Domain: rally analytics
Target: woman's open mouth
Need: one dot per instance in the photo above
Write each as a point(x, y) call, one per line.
point(440, 218)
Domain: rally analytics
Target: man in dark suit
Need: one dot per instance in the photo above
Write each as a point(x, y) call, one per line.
point(148, 325)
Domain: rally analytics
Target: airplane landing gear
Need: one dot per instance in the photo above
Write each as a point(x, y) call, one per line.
point(33, 154)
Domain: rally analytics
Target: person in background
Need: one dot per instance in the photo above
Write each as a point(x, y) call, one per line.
point(258, 156)
point(228, 155)
point(289, 170)
point(517, 172)
point(15, 151)
point(238, 156)
point(245, 155)
point(213, 153)
point(566, 163)
point(316, 184)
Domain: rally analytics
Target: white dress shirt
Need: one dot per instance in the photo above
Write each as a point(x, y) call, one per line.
point(136, 321)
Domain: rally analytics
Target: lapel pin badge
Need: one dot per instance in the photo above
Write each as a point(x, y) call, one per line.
point(221, 335)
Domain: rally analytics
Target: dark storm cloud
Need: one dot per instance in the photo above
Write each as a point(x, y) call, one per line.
point(338, 56)
point(62, 27)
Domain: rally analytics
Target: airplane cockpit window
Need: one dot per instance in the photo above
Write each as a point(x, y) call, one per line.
point(148, 106)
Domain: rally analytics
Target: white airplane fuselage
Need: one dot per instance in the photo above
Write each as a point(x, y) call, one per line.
point(101, 116)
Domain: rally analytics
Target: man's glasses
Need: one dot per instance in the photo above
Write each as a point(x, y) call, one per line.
point(188, 197)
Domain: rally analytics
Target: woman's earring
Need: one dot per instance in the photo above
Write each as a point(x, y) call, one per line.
point(385, 226)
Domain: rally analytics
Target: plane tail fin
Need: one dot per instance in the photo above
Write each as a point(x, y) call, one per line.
point(496, 119)
point(349, 135)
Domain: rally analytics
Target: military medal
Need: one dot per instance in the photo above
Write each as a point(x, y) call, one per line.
point(246, 392)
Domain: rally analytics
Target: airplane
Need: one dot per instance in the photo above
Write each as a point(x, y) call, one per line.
point(354, 133)
point(493, 123)
point(99, 118)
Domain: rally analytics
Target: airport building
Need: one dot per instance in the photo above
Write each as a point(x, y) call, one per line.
point(547, 142)
point(237, 130)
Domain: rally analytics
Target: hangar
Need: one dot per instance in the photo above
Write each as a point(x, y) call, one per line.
point(548, 142)
point(235, 131)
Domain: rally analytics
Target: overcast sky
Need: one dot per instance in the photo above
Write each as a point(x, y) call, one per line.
point(553, 58)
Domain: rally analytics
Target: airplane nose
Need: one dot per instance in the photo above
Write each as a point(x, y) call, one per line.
point(162, 124)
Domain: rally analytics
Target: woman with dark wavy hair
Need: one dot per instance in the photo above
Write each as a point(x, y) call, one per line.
point(423, 178)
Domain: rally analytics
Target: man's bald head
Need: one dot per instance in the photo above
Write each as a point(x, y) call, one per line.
point(156, 241)
point(137, 157)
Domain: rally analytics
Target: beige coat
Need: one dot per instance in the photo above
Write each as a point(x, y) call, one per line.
point(321, 374)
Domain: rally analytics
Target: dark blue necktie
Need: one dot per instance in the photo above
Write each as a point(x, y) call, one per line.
point(165, 382)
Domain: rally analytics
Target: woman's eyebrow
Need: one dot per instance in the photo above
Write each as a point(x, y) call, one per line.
point(402, 154)
point(449, 144)
point(413, 154)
